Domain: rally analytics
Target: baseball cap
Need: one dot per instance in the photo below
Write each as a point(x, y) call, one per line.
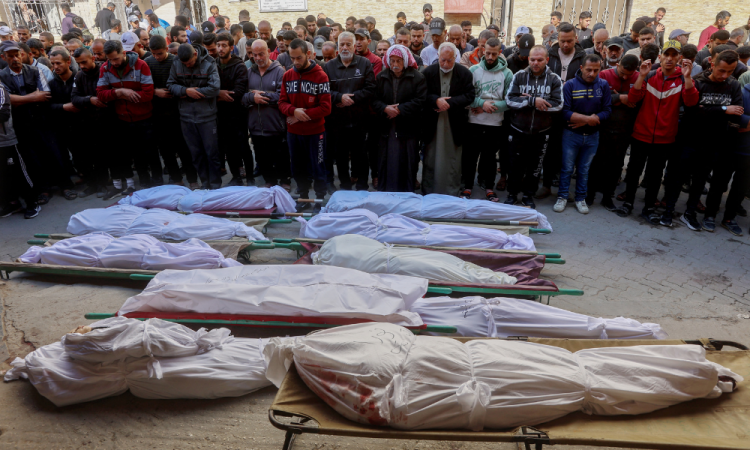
point(132, 18)
point(427, 7)
point(370, 19)
point(493, 27)
point(525, 44)
point(129, 39)
point(208, 27)
point(362, 32)
point(437, 26)
point(7, 46)
point(318, 45)
point(615, 41)
point(149, 12)
point(5, 31)
point(675, 45)
point(674, 33)
point(522, 30)
point(196, 37)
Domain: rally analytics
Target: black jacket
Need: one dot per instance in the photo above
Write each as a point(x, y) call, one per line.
point(30, 114)
point(525, 117)
point(556, 66)
point(83, 89)
point(461, 96)
point(163, 107)
point(104, 20)
point(358, 79)
point(233, 77)
point(61, 94)
point(411, 97)
point(515, 63)
point(708, 113)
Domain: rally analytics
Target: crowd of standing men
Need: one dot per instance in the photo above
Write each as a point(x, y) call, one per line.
point(321, 94)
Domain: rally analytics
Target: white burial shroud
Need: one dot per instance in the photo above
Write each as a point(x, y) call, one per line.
point(137, 251)
point(383, 374)
point(503, 317)
point(278, 290)
point(361, 253)
point(398, 229)
point(431, 206)
point(230, 198)
point(202, 365)
point(122, 220)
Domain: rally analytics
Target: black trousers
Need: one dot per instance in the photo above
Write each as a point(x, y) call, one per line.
point(308, 154)
point(725, 165)
point(691, 162)
point(606, 167)
point(17, 175)
point(137, 144)
point(526, 159)
point(654, 158)
point(345, 143)
point(52, 158)
point(234, 144)
point(171, 142)
point(204, 147)
point(552, 163)
point(372, 142)
point(272, 154)
point(482, 144)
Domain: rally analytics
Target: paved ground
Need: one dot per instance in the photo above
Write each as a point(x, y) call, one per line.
point(693, 284)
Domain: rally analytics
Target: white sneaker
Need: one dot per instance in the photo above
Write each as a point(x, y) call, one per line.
point(582, 207)
point(560, 205)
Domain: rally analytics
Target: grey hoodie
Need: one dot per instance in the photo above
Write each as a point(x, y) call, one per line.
point(7, 133)
point(265, 120)
point(205, 77)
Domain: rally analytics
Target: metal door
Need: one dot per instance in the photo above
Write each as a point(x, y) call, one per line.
point(615, 14)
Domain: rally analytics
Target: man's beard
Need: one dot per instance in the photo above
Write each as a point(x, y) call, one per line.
point(346, 55)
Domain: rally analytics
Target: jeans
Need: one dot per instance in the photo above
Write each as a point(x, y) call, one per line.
point(577, 151)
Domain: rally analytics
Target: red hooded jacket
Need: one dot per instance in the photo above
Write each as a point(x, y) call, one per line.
point(135, 76)
point(308, 89)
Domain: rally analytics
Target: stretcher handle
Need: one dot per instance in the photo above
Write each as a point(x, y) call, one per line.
point(539, 231)
point(554, 261)
point(280, 221)
point(484, 221)
point(441, 329)
point(141, 277)
point(576, 292)
point(309, 200)
point(36, 241)
point(296, 214)
point(439, 290)
point(42, 235)
point(550, 255)
point(98, 316)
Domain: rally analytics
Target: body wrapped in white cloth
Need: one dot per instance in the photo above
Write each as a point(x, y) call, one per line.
point(233, 198)
point(431, 206)
point(503, 317)
point(368, 255)
point(164, 362)
point(382, 374)
point(122, 220)
point(129, 252)
point(399, 229)
point(278, 290)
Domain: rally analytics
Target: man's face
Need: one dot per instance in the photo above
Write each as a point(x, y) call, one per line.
point(143, 39)
point(35, 53)
point(311, 28)
point(659, 15)
point(70, 47)
point(554, 20)
point(438, 39)
point(299, 57)
point(397, 65)
point(584, 23)
point(260, 56)
point(645, 40)
point(480, 47)
point(286, 27)
point(25, 57)
point(265, 32)
point(328, 53)
point(46, 42)
point(567, 42)
point(455, 37)
point(251, 35)
point(447, 59)
point(227, 24)
point(669, 59)
point(98, 50)
point(722, 71)
point(14, 60)
point(724, 22)
point(86, 62)
point(191, 62)
point(23, 35)
point(599, 41)
point(682, 39)
point(467, 30)
point(634, 35)
point(134, 24)
point(335, 34)
point(402, 40)
point(402, 20)
point(537, 61)
point(214, 12)
point(624, 73)
point(249, 53)
point(282, 45)
point(491, 54)
point(718, 42)
point(223, 49)
point(213, 52)
point(370, 26)
point(182, 37)
point(427, 14)
point(160, 55)
point(382, 49)
point(116, 59)
point(417, 37)
point(361, 44)
point(590, 71)
point(350, 23)
point(614, 53)
point(301, 34)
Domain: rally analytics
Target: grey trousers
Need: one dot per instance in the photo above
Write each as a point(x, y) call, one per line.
point(203, 142)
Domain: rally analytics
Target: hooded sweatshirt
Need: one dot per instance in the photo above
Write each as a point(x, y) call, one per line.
point(233, 77)
point(490, 84)
point(309, 89)
point(708, 114)
point(526, 118)
point(265, 119)
point(136, 75)
point(203, 76)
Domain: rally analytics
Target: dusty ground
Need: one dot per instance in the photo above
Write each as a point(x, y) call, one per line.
point(693, 284)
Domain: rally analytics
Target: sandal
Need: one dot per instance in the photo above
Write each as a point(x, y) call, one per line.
point(43, 199)
point(492, 197)
point(466, 193)
point(70, 194)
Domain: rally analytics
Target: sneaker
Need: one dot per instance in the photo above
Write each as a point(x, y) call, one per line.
point(709, 224)
point(650, 215)
point(528, 201)
point(742, 212)
point(128, 191)
point(582, 207)
point(32, 212)
point(10, 209)
point(560, 205)
point(331, 188)
point(91, 190)
point(543, 193)
point(608, 204)
point(511, 200)
point(625, 210)
point(666, 219)
point(236, 181)
point(102, 192)
point(691, 221)
point(303, 207)
point(112, 192)
point(732, 226)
